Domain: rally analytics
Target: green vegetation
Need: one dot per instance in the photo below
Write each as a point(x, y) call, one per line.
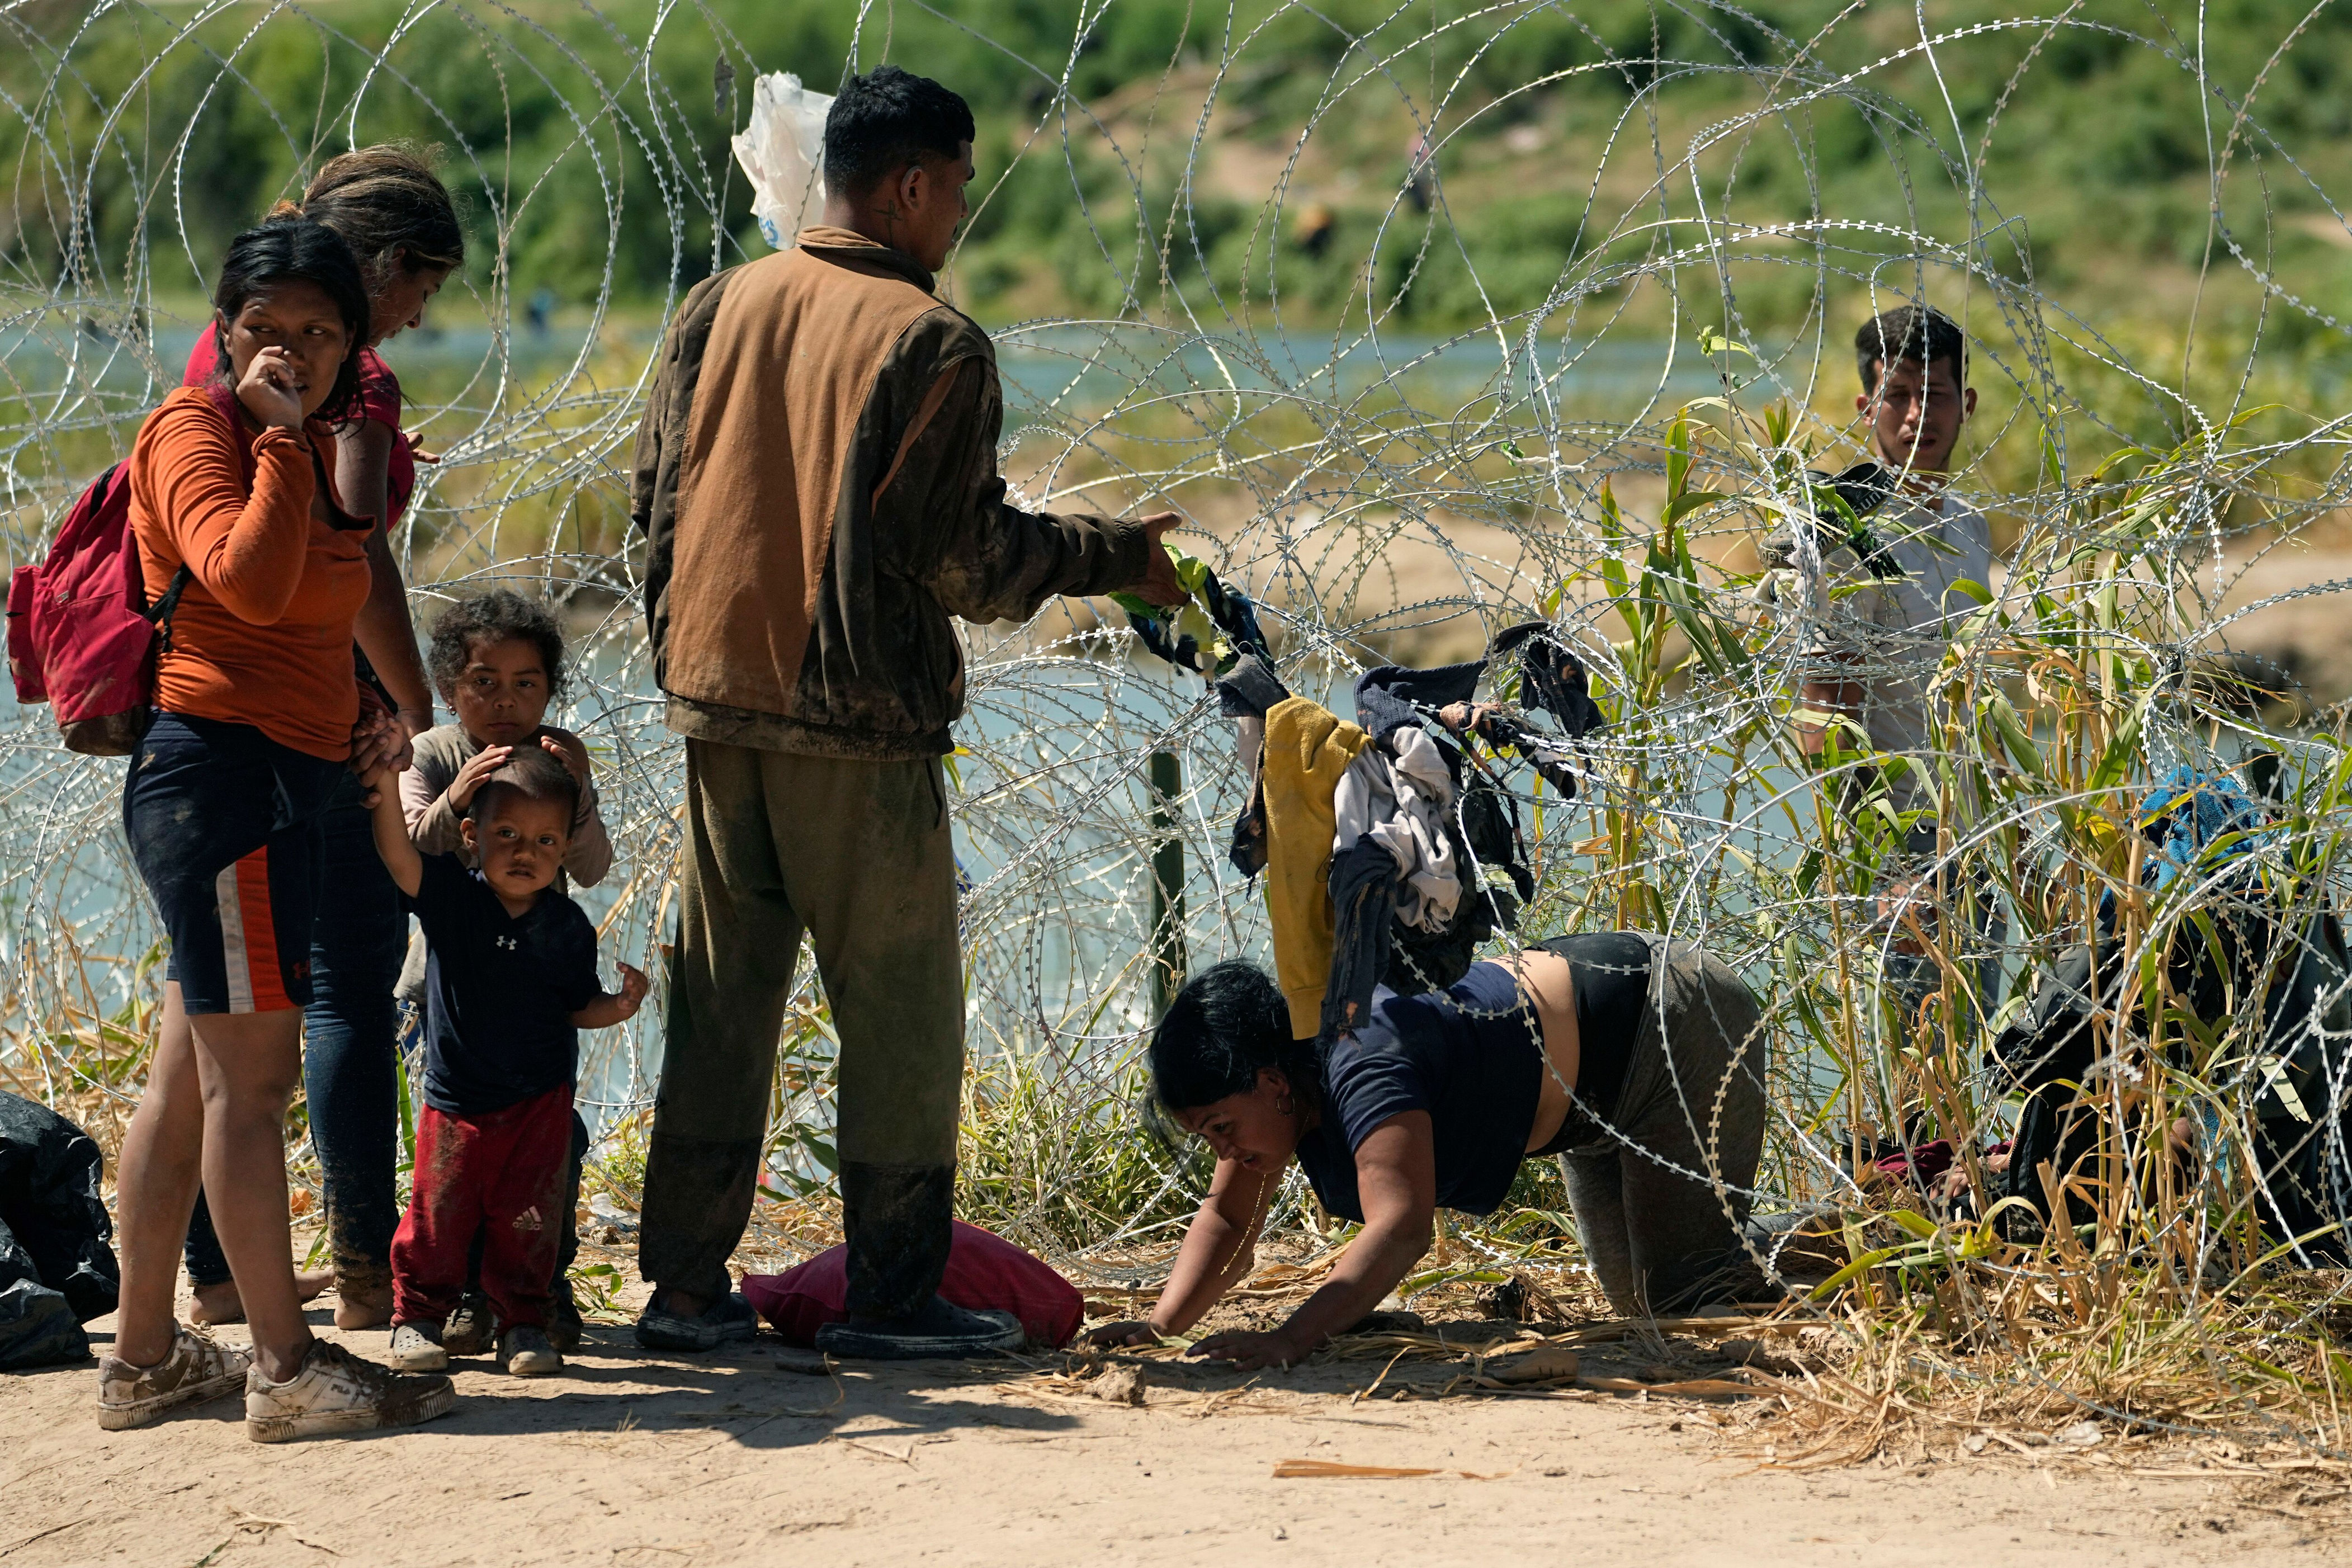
point(2073, 152)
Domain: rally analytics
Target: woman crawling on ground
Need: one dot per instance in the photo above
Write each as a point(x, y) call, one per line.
point(1638, 1062)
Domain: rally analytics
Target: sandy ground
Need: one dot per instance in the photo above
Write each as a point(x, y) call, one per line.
point(633, 1458)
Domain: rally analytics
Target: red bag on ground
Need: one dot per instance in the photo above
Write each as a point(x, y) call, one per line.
point(984, 1270)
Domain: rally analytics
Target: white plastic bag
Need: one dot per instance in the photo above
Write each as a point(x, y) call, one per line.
point(782, 151)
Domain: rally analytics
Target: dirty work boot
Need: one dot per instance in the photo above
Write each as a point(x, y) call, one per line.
point(933, 1332)
point(472, 1328)
point(662, 1327)
point(334, 1391)
point(416, 1347)
point(898, 1220)
point(527, 1353)
point(194, 1371)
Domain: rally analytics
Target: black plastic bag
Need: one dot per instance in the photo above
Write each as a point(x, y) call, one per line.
point(56, 1255)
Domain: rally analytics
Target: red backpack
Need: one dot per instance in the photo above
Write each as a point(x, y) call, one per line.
point(82, 635)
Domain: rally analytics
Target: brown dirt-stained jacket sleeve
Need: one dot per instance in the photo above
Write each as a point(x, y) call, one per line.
point(985, 558)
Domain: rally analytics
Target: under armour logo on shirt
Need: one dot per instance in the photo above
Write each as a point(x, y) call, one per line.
point(505, 942)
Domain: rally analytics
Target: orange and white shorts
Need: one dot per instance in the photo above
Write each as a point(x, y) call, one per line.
point(224, 827)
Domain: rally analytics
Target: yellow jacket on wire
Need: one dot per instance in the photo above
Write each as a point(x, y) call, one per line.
point(1306, 751)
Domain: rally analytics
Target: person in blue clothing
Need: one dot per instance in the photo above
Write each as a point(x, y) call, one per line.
point(1638, 1061)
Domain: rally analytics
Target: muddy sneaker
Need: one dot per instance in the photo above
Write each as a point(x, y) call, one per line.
point(937, 1331)
point(471, 1328)
point(527, 1353)
point(729, 1317)
point(195, 1369)
point(335, 1391)
point(416, 1347)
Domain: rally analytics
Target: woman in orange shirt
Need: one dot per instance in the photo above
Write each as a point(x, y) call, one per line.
point(258, 716)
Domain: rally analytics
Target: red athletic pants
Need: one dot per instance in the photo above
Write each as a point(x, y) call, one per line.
point(502, 1174)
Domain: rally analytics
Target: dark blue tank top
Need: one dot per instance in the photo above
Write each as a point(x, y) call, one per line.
point(1472, 1057)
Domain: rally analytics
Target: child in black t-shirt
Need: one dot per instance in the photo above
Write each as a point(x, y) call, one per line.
point(509, 976)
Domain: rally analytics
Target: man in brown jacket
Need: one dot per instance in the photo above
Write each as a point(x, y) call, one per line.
point(817, 475)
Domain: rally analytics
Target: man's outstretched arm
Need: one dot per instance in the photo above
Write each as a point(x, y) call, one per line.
point(993, 560)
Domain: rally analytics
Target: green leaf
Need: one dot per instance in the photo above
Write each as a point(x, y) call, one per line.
point(1190, 571)
point(2015, 737)
point(1711, 341)
point(2116, 760)
point(1860, 1266)
point(1689, 501)
point(1678, 457)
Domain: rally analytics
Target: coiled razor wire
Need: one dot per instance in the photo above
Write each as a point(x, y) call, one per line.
point(1385, 492)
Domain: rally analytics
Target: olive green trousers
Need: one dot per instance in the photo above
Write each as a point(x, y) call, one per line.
point(858, 857)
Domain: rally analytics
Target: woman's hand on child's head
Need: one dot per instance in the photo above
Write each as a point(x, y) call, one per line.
point(478, 766)
point(634, 986)
point(1118, 1336)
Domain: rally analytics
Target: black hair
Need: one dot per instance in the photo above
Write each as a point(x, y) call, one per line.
point(1918, 334)
point(495, 616)
point(1228, 1023)
point(391, 208)
point(533, 774)
point(886, 119)
point(290, 249)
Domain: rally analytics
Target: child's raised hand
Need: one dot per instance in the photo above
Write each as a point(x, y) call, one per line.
point(633, 985)
point(571, 753)
point(479, 766)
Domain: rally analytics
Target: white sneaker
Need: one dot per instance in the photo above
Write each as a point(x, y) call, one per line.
point(196, 1370)
point(335, 1391)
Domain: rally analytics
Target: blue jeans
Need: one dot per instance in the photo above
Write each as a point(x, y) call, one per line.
point(357, 942)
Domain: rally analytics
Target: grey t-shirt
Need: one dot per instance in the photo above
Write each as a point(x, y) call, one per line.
point(1897, 629)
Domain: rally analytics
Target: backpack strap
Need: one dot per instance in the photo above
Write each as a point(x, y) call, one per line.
point(160, 611)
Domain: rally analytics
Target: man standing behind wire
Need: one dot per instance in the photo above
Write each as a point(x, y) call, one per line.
point(817, 475)
point(1883, 640)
